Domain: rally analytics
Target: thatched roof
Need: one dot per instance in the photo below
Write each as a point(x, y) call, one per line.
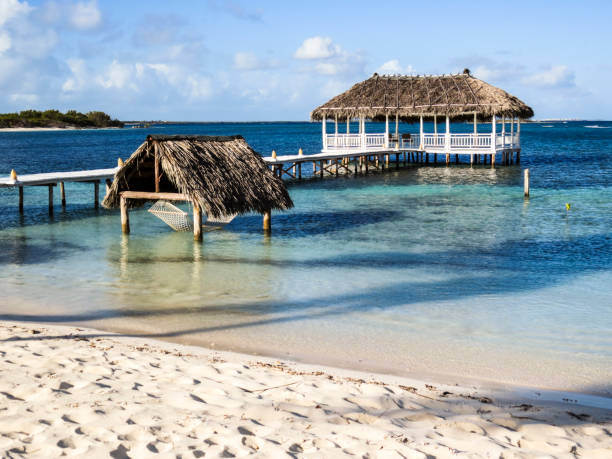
point(223, 175)
point(459, 96)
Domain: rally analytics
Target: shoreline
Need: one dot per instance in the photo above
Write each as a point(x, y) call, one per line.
point(65, 392)
point(54, 129)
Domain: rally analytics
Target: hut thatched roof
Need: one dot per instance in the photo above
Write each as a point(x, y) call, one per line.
point(458, 96)
point(223, 175)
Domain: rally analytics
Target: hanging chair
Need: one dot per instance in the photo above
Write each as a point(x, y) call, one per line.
point(179, 220)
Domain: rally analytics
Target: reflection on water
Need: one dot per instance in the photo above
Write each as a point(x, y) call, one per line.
point(428, 269)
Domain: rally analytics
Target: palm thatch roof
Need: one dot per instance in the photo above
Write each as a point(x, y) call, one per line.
point(458, 96)
point(223, 175)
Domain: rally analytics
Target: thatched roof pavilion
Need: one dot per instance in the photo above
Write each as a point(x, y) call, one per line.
point(219, 175)
point(412, 98)
point(456, 96)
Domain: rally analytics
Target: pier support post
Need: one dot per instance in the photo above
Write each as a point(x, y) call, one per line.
point(125, 217)
point(197, 223)
point(96, 194)
point(299, 171)
point(492, 159)
point(267, 220)
point(51, 199)
point(447, 159)
point(456, 159)
point(471, 160)
point(518, 157)
point(20, 199)
point(63, 194)
point(526, 183)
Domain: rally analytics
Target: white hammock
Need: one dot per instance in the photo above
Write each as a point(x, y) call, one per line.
point(179, 220)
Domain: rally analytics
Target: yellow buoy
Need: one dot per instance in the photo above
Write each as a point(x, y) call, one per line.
point(300, 152)
point(120, 162)
point(13, 174)
point(273, 153)
point(567, 206)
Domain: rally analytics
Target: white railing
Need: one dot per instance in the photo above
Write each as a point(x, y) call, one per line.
point(454, 142)
point(351, 141)
point(470, 141)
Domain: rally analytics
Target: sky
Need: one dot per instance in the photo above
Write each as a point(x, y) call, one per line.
point(240, 60)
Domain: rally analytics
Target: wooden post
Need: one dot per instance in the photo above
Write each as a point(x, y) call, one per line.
point(96, 194)
point(125, 217)
point(348, 125)
point(197, 223)
point(526, 183)
point(471, 159)
point(321, 168)
point(336, 119)
point(435, 158)
point(20, 199)
point(447, 139)
point(157, 175)
point(397, 130)
point(267, 220)
point(63, 194)
point(420, 132)
point(299, 171)
point(51, 199)
point(447, 159)
point(456, 159)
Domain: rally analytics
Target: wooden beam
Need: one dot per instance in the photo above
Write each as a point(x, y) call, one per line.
point(125, 217)
point(63, 194)
point(20, 199)
point(197, 223)
point(96, 195)
point(51, 199)
point(267, 220)
point(157, 175)
point(154, 196)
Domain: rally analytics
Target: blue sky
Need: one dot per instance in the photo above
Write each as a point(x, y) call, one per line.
point(237, 60)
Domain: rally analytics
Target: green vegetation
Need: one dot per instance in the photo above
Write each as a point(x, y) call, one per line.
point(55, 118)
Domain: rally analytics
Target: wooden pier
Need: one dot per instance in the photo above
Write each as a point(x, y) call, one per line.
point(360, 161)
point(51, 180)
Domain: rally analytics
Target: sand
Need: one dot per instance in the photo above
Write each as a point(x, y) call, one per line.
point(64, 391)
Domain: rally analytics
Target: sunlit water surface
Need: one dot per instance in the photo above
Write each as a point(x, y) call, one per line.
point(422, 271)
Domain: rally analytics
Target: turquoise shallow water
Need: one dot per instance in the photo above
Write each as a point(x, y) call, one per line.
point(426, 270)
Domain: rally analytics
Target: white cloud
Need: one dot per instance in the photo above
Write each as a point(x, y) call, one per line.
point(249, 61)
point(317, 48)
point(78, 76)
point(5, 42)
point(85, 16)
point(558, 76)
point(10, 9)
point(24, 98)
point(393, 67)
point(117, 76)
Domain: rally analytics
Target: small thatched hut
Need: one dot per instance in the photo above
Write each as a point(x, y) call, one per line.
point(219, 175)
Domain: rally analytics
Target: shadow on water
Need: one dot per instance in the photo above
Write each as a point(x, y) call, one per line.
point(531, 265)
point(22, 250)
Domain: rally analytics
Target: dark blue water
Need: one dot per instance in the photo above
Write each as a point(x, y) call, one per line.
point(424, 270)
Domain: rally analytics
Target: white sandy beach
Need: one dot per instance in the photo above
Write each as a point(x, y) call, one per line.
point(66, 391)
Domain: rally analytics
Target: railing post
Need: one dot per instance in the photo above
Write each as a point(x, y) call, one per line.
point(324, 131)
point(447, 136)
point(493, 134)
point(386, 130)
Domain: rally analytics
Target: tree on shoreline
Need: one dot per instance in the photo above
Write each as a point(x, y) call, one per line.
point(55, 118)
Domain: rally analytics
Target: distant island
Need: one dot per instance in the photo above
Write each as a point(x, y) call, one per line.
point(57, 119)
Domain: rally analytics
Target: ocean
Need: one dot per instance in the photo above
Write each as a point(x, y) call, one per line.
point(428, 270)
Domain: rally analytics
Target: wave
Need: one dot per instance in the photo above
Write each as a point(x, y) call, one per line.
point(597, 126)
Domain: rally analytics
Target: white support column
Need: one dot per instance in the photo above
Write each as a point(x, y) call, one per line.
point(387, 130)
point(493, 133)
point(324, 131)
point(421, 132)
point(348, 124)
point(362, 131)
point(336, 125)
point(475, 139)
point(512, 131)
point(503, 131)
point(447, 137)
point(397, 130)
point(436, 124)
point(518, 131)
